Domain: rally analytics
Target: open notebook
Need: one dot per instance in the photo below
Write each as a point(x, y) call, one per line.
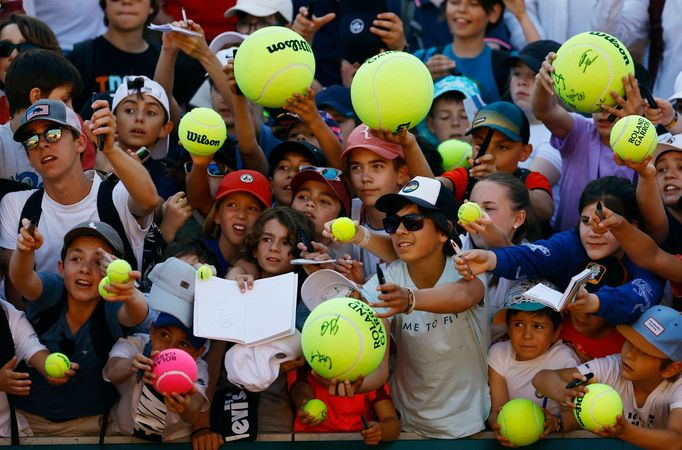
point(555, 299)
point(262, 314)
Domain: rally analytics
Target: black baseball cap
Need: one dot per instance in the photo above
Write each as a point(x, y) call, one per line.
point(533, 54)
point(99, 230)
point(314, 155)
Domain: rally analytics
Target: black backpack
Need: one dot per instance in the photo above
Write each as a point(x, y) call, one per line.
point(7, 353)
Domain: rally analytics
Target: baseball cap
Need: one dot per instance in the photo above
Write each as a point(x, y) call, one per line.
point(314, 155)
point(325, 284)
point(256, 368)
point(51, 110)
point(678, 88)
point(286, 121)
point(515, 299)
point(337, 97)
point(226, 39)
point(319, 174)
point(173, 289)
point(169, 320)
point(248, 181)
point(657, 332)
point(362, 137)
point(453, 83)
point(263, 8)
point(139, 84)
point(505, 117)
point(428, 193)
point(533, 54)
point(93, 228)
point(667, 143)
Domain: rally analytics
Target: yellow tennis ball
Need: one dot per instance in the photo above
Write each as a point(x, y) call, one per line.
point(588, 67)
point(343, 229)
point(469, 212)
point(204, 272)
point(272, 64)
point(521, 421)
point(455, 153)
point(118, 270)
point(343, 339)
point(56, 365)
point(633, 138)
point(202, 131)
point(392, 90)
point(317, 409)
point(103, 292)
point(600, 406)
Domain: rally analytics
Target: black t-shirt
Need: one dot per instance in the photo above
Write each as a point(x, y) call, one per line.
point(673, 243)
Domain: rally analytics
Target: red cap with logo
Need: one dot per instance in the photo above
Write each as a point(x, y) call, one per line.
point(248, 181)
point(362, 137)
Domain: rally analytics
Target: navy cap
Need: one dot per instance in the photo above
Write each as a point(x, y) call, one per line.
point(505, 117)
point(314, 155)
point(533, 54)
point(337, 97)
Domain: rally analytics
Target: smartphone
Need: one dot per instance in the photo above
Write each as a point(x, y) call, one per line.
point(100, 139)
point(143, 154)
point(482, 149)
point(365, 425)
point(599, 211)
point(646, 93)
point(576, 383)
point(381, 277)
point(302, 237)
point(31, 228)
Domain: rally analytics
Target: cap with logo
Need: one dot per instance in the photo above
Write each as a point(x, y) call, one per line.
point(248, 181)
point(515, 299)
point(263, 8)
point(337, 185)
point(427, 193)
point(505, 117)
point(667, 143)
point(286, 121)
point(452, 83)
point(93, 228)
point(362, 137)
point(54, 111)
point(657, 332)
point(325, 284)
point(139, 84)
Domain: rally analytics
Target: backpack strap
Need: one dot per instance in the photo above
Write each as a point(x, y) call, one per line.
point(32, 208)
point(7, 353)
point(108, 214)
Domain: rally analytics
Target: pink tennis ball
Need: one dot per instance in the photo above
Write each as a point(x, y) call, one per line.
point(175, 371)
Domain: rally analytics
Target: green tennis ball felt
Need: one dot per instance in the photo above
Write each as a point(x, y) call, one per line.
point(469, 212)
point(392, 90)
point(56, 365)
point(455, 153)
point(343, 339)
point(103, 292)
point(521, 421)
point(633, 138)
point(118, 271)
point(204, 272)
point(600, 406)
point(343, 229)
point(588, 67)
point(202, 131)
point(272, 64)
point(317, 409)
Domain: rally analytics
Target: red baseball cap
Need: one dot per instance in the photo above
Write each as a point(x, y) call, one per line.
point(248, 181)
point(362, 137)
point(336, 184)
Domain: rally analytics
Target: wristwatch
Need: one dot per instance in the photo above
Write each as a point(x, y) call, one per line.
point(672, 122)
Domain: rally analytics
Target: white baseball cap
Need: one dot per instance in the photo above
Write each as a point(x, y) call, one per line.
point(678, 88)
point(667, 142)
point(325, 284)
point(264, 8)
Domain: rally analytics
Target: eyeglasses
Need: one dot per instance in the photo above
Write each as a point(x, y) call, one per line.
point(213, 169)
point(329, 173)
point(51, 136)
point(412, 222)
point(7, 47)
point(246, 26)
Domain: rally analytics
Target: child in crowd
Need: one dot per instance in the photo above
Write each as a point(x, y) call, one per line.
point(335, 100)
point(436, 395)
point(285, 161)
point(241, 198)
point(533, 345)
point(142, 411)
point(645, 374)
point(447, 118)
point(71, 317)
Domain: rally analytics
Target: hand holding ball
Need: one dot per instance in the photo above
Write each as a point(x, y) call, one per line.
point(600, 406)
point(118, 271)
point(103, 292)
point(455, 153)
point(202, 131)
point(56, 365)
point(343, 229)
point(521, 421)
point(204, 272)
point(469, 212)
point(317, 409)
point(633, 138)
point(175, 371)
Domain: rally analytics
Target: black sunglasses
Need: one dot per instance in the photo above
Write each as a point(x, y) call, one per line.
point(7, 47)
point(412, 222)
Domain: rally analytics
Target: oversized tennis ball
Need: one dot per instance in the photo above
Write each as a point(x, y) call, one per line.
point(600, 406)
point(204, 272)
point(272, 64)
point(56, 365)
point(343, 229)
point(521, 421)
point(175, 370)
point(202, 131)
point(633, 138)
point(343, 339)
point(455, 153)
point(392, 90)
point(103, 292)
point(118, 270)
point(588, 67)
point(317, 409)
point(469, 212)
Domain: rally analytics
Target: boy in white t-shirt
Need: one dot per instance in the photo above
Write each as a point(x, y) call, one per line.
point(142, 411)
point(533, 345)
point(645, 374)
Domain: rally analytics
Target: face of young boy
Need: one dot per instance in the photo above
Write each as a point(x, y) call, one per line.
point(531, 334)
point(521, 86)
point(285, 170)
point(507, 152)
point(237, 214)
point(167, 337)
point(448, 120)
point(57, 159)
point(274, 249)
point(597, 246)
point(301, 132)
point(669, 178)
point(415, 246)
point(467, 18)
point(319, 202)
point(81, 268)
point(140, 122)
point(128, 15)
point(373, 176)
point(635, 365)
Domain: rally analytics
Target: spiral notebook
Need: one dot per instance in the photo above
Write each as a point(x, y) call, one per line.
point(556, 299)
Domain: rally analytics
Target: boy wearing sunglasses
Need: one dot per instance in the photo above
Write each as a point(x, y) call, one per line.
point(439, 385)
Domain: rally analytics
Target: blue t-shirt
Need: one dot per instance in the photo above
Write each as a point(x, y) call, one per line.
point(86, 394)
point(223, 264)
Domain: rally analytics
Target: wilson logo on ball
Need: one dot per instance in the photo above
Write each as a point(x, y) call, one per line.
point(294, 44)
point(202, 139)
